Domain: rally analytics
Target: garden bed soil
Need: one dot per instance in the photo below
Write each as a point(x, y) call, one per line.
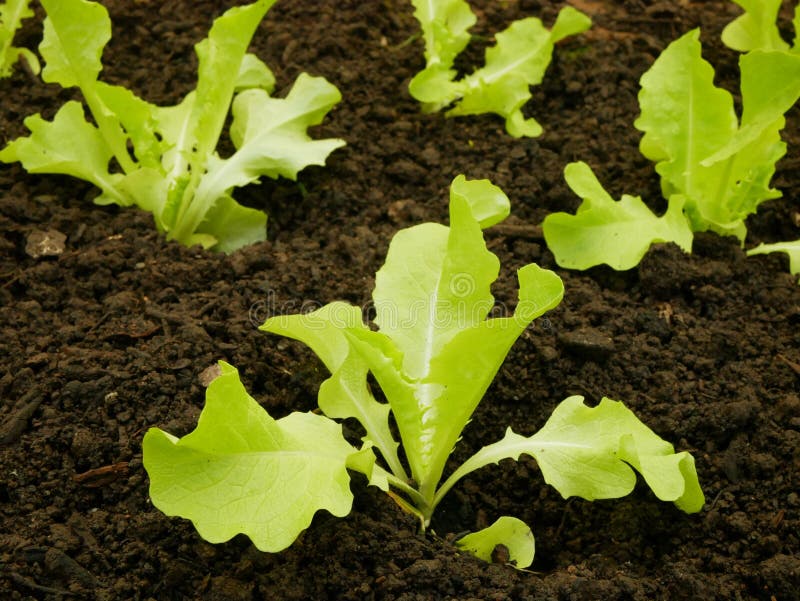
point(111, 337)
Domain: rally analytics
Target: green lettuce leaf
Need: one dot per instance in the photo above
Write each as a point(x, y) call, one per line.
point(756, 29)
point(240, 471)
point(435, 282)
point(792, 249)
point(445, 29)
point(12, 12)
point(617, 233)
point(254, 73)
point(592, 453)
point(345, 394)
point(518, 60)
point(511, 533)
point(685, 118)
point(271, 140)
point(75, 33)
point(67, 145)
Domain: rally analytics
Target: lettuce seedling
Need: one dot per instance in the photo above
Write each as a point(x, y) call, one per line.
point(517, 61)
point(174, 170)
point(11, 14)
point(757, 28)
point(715, 168)
point(434, 354)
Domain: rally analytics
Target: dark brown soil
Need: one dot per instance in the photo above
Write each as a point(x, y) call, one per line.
point(109, 338)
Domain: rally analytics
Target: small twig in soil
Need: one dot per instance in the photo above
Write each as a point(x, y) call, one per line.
point(15, 424)
point(795, 366)
point(563, 523)
point(165, 318)
point(157, 313)
point(21, 580)
point(716, 498)
point(16, 275)
point(98, 323)
point(100, 476)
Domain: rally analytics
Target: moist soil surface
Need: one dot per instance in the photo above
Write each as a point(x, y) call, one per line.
point(110, 337)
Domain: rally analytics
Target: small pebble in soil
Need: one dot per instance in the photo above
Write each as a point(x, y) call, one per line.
point(48, 243)
point(588, 343)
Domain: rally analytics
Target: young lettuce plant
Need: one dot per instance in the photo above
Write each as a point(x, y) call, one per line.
point(517, 61)
point(174, 170)
point(434, 355)
point(757, 28)
point(11, 14)
point(715, 168)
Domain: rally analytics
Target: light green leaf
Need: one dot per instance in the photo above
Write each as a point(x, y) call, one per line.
point(434, 283)
point(321, 330)
point(66, 145)
point(345, 394)
point(685, 118)
point(270, 134)
point(617, 233)
point(12, 12)
point(796, 27)
point(271, 140)
point(240, 471)
point(254, 73)
point(29, 57)
point(434, 86)
point(147, 189)
point(488, 203)
point(445, 27)
point(592, 452)
point(461, 372)
point(770, 83)
point(138, 117)
point(792, 249)
point(509, 532)
point(382, 357)
point(173, 124)
point(75, 33)
point(756, 29)
point(432, 411)
point(221, 54)
point(230, 226)
point(518, 61)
